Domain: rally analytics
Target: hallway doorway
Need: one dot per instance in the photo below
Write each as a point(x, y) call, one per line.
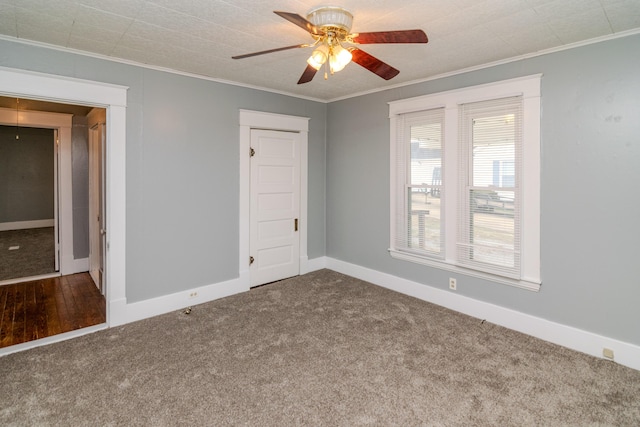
point(36, 304)
point(28, 201)
point(113, 98)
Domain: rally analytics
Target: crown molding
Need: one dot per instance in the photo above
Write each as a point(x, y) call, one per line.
point(569, 46)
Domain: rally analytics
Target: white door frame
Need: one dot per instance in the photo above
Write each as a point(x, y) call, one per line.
point(63, 207)
point(45, 87)
point(261, 120)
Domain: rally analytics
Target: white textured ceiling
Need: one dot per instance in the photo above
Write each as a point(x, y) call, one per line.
point(200, 36)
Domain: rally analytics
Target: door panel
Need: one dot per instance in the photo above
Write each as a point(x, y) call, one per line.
point(276, 175)
point(275, 257)
point(271, 230)
point(275, 206)
point(56, 201)
point(96, 205)
point(275, 202)
point(103, 210)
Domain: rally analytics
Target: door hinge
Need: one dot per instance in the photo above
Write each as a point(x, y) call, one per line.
point(295, 224)
point(252, 152)
point(251, 260)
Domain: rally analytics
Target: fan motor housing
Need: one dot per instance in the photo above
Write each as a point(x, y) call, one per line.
point(332, 18)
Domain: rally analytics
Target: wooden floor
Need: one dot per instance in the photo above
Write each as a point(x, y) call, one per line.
point(42, 308)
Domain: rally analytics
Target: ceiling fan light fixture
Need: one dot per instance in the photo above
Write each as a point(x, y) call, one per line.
point(331, 16)
point(318, 56)
point(339, 58)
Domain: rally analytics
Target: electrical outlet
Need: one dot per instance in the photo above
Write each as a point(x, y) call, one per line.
point(193, 294)
point(608, 353)
point(452, 284)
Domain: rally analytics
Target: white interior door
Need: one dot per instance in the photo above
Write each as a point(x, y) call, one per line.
point(56, 195)
point(103, 211)
point(94, 224)
point(274, 241)
point(96, 205)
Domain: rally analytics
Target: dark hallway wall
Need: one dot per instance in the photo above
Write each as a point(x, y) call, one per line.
point(26, 174)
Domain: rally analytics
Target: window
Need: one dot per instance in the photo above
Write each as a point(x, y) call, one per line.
point(419, 155)
point(465, 187)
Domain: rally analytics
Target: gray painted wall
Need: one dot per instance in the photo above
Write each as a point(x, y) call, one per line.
point(26, 174)
point(590, 174)
point(183, 167)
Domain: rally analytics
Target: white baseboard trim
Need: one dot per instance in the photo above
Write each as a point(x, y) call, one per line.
point(23, 225)
point(309, 265)
point(80, 265)
point(67, 264)
point(120, 312)
point(567, 336)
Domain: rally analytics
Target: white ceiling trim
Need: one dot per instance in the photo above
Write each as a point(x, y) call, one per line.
point(153, 67)
point(595, 40)
point(495, 63)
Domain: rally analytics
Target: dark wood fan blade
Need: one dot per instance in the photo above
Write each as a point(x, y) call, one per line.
point(405, 36)
point(373, 64)
point(248, 55)
point(308, 75)
point(299, 21)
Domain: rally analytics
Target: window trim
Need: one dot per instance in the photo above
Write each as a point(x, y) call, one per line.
point(529, 88)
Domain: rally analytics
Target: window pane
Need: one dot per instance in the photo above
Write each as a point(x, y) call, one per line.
point(426, 155)
point(494, 151)
point(419, 168)
point(424, 221)
point(491, 137)
point(492, 228)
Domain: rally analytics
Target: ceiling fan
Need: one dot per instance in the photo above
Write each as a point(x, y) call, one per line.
point(330, 28)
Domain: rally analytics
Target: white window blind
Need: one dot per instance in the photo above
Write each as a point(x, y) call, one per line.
point(490, 157)
point(419, 149)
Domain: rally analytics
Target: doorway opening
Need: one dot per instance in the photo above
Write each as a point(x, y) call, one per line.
point(56, 293)
point(28, 190)
point(18, 83)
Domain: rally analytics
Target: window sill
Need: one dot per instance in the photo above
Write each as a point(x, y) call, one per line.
point(443, 265)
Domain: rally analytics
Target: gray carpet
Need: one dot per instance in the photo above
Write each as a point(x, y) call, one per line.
point(35, 255)
point(320, 349)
